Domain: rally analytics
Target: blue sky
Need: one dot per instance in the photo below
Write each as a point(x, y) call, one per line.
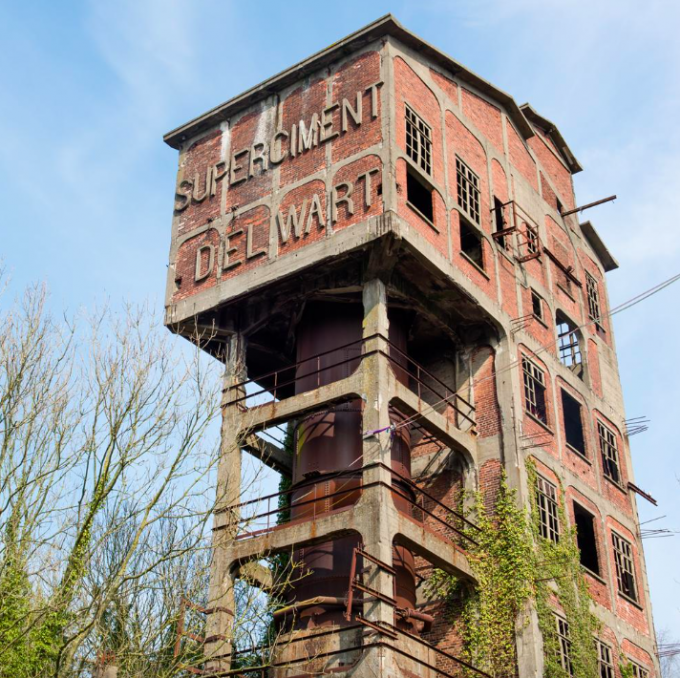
point(88, 88)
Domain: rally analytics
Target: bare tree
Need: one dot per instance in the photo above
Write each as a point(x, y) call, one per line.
point(108, 450)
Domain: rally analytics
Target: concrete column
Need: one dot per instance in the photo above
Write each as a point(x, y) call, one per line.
point(375, 509)
point(221, 601)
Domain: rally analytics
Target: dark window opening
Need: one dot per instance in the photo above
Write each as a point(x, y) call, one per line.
point(558, 204)
point(573, 424)
point(536, 305)
point(471, 243)
point(500, 223)
point(586, 538)
point(419, 195)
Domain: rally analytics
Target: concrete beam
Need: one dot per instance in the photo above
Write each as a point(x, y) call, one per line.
point(269, 454)
point(433, 422)
point(271, 414)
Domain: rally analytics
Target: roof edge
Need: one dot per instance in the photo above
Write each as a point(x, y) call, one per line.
point(385, 25)
point(555, 136)
point(604, 255)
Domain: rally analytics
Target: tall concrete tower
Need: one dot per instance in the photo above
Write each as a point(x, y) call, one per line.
point(383, 250)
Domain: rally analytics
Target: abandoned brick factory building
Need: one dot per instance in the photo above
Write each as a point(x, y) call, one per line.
point(385, 251)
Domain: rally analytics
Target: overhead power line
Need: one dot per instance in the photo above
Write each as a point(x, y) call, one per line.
point(633, 301)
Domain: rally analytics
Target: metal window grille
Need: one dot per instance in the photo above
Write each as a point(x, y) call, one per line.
point(534, 390)
point(546, 500)
point(610, 453)
point(468, 190)
point(604, 660)
point(593, 299)
point(564, 645)
point(625, 570)
point(532, 239)
point(639, 671)
point(418, 141)
point(567, 341)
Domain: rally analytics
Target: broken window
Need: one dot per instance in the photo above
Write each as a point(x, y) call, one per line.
point(468, 191)
point(500, 224)
point(546, 503)
point(573, 423)
point(418, 141)
point(568, 344)
point(534, 390)
point(471, 243)
point(638, 671)
point(536, 305)
point(532, 239)
point(625, 570)
point(610, 453)
point(593, 295)
point(418, 195)
point(586, 538)
point(564, 645)
point(604, 660)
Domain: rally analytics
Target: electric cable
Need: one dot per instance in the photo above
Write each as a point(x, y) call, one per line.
point(633, 301)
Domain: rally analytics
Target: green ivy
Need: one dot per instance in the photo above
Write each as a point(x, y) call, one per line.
point(560, 575)
point(514, 564)
point(503, 562)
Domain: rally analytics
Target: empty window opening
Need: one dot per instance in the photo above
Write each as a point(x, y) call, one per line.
point(625, 570)
point(418, 195)
point(418, 141)
point(586, 538)
point(548, 517)
point(573, 423)
point(471, 243)
point(564, 645)
point(468, 190)
point(593, 294)
point(534, 390)
point(500, 224)
point(604, 660)
point(610, 453)
point(536, 305)
point(568, 344)
point(558, 205)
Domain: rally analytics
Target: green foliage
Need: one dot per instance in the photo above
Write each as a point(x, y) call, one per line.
point(503, 563)
point(514, 564)
point(560, 575)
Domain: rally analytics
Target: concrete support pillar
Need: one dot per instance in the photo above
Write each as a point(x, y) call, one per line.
point(221, 591)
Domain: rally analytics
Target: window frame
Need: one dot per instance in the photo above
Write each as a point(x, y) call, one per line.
point(624, 564)
point(468, 192)
point(548, 509)
point(418, 140)
point(605, 663)
point(639, 671)
point(568, 348)
point(531, 401)
point(593, 300)
point(609, 452)
point(535, 296)
point(564, 644)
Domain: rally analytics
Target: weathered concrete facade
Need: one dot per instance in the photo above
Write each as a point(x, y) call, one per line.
point(305, 188)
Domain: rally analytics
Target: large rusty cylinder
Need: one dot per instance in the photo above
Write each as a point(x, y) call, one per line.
point(327, 468)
